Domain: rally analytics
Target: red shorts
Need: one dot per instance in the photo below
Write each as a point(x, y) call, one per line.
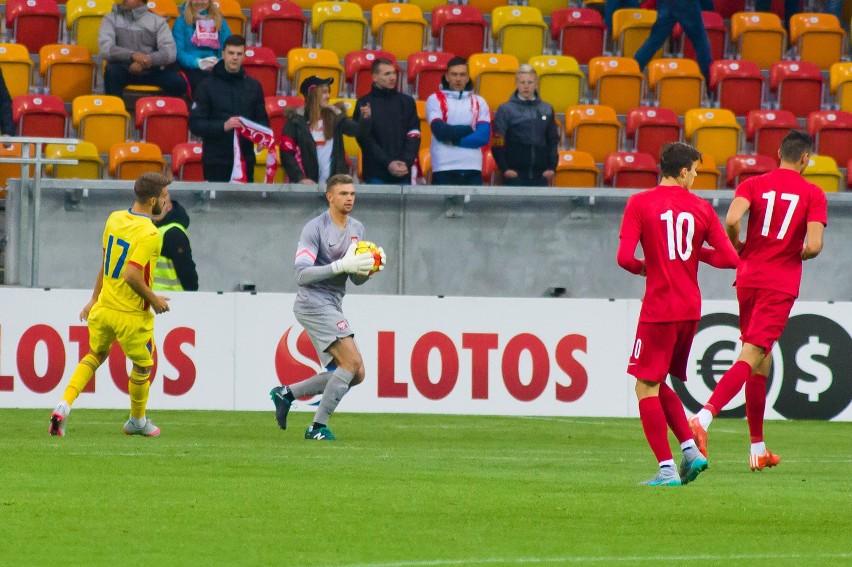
point(763, 315)
point(661, 349)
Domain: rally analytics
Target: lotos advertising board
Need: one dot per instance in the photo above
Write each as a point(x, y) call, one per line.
point(422, 355)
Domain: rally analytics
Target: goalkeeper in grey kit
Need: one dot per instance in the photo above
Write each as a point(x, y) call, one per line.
point(325, 260)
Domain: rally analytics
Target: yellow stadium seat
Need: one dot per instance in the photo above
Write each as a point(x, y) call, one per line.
point(303, 62)
point(594, 129)
point(519, 31)
point(350, 144)
point(11, 170)
point(616, 82)
point(630, 28)
point(165, 8)
point(759, 37)
point(576, 169)
point(260, 168)
point(68, 70)
point(425, 159)
point(676, 83)
point(89, 166)
point(425, 130)
point(16, 65)
point(129, 160)
point(547, 7)
point(713, 131)
point(708, 174)
point(822, 171)
point(338, 26)
point(817, 38)
point(426, 6)
point(840, 76)
point(100, 119)
point(560, 80)
point(232, 11)
point(399, 29)
point(493, 76)
point(83, 20)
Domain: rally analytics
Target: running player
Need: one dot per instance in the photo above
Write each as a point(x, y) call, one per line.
point(119, 308)
point(672, 225)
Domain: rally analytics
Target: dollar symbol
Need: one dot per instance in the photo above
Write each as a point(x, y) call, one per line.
point(822, 373)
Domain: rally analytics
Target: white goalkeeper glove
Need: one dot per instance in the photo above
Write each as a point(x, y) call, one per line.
point(384, 259)
point(359, 264)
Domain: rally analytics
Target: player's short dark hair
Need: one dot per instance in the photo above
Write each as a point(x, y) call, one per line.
point(338, 179)
point(150, 185)
point(675, 156)
point(235, 40)
point(456, 61)
point(796, 144)
point(378, 62)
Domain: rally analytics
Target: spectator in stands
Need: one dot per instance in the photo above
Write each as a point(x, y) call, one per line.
point(7, 125)
point(312, 143)
point(688, 14)
point(200, 33)
point(390, 146)
point(219, 103)
point(526, 139)
point(175, 269)
point(138, 46)
point(461, 124)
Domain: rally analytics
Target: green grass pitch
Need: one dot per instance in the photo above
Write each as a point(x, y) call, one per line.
point(230, 488)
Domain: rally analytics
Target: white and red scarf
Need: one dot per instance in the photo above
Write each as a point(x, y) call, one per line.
point(474, 107)
point(262, 137)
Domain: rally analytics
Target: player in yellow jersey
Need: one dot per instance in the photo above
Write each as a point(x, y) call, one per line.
point(121, 304)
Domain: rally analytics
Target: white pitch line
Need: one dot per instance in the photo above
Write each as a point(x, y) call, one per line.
point(594, 559)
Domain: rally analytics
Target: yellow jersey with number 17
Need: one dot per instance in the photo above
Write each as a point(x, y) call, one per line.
point(129, 238)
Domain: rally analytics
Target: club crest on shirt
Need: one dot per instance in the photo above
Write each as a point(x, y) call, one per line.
point(342, 325)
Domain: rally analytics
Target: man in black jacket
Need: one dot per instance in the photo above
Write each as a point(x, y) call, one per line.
point(390, 146)
point(526, 137)
point(7, 125)
point(175, 269)
point(220, 101)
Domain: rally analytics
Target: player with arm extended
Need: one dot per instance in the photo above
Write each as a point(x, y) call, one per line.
point(121, 304)
point(672, 225)
point(325, 260)
point(784, 211)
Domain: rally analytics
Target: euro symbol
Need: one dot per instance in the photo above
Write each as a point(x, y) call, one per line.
point(711, 368)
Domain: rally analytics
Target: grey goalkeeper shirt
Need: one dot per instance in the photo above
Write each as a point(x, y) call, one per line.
point(321, 243)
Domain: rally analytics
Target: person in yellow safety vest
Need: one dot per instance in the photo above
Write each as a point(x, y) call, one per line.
point(175, 269)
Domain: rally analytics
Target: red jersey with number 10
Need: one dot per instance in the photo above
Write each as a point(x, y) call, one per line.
point(672, 225)
point(782, 203)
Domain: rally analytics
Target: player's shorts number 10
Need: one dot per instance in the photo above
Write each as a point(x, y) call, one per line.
point(679, 232)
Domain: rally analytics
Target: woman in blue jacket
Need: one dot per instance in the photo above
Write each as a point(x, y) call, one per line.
point(200, 32)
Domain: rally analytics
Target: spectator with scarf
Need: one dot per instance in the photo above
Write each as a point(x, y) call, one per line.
point(220, 103)
point(200, 33)
point(461, 126)
point(312, 143)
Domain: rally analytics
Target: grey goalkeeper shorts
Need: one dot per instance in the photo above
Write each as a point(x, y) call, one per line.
point(324, 329)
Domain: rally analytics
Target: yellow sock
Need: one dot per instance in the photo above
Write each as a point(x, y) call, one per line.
point(82, 374)
point(138, 387)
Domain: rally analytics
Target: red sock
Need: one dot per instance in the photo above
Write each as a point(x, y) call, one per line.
point(755, 392)
point(729, 386)
point(654, 426)
point(675, 414)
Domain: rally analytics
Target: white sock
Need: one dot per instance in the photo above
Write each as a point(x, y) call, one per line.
point(139, 421)
point(668, 463)
point(688, 444)
point(704, 417)
point(758, 448)
point(63, 407)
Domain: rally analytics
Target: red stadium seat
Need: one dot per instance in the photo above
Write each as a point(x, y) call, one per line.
point(798, 85)
point(425, 70)
point(262, 64)
point(766, 129)
point(459, 29)
point(163, 121)
point(42, 116)
point(630, 170)
point(736, 85)
point(33, 23)
point(275, 108)
point(578, 32)
point(278, 25)
point(357, 68)
point(832, 134)
point(741, 167)
point(648, 128)
point(716, 33)
point(186, 162)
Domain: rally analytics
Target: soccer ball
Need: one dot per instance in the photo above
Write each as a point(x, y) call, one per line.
point(366, 246)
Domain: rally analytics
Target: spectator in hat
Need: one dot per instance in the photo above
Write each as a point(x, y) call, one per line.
point(312, 138)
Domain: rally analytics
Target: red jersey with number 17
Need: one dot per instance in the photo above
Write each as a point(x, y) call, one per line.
point(782, 203)
point(672, 225)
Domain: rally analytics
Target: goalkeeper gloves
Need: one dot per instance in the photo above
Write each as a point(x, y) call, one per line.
point(359, 264)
